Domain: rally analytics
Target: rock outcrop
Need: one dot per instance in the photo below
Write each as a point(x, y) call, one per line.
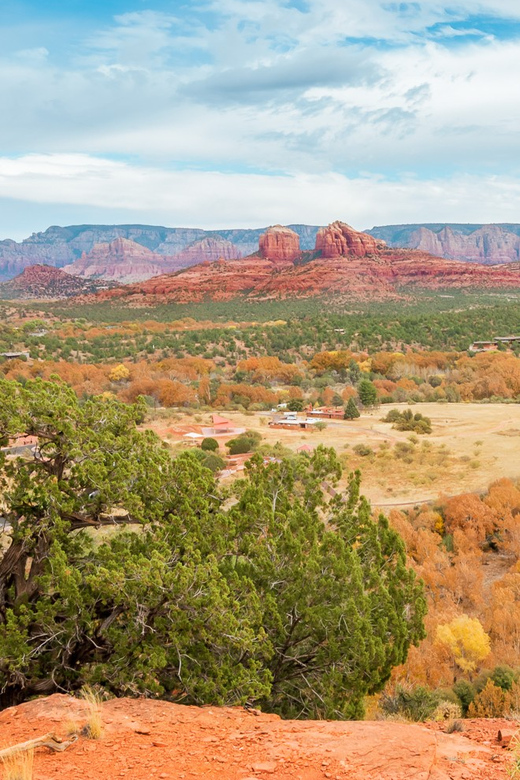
point(341, 240)
point(145, 738)
point(378, 277)
point(280, 244)
point(121, 260)
point(489, 244)
point(204, 250)
point(45, 282)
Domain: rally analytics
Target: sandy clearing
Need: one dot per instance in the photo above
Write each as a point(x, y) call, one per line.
point(485, 436)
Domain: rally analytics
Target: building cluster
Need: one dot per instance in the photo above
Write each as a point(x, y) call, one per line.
point(488, 346)
point(305, 420)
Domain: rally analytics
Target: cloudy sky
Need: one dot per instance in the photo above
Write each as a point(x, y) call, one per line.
point(235, 113)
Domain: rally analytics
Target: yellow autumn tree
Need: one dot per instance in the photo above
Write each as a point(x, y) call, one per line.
point(466, 640)
point(119, 373)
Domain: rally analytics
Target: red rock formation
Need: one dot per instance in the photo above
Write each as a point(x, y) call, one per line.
point(377, 277)
point(341, 240)
point(490, 244)
point(121, 260)
point(280, 244)
point(205, 250)
point(44, 282)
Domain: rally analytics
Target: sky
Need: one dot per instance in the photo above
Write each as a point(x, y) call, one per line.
point(245, 113)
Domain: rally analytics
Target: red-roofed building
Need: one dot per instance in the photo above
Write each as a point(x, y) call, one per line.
point(221, 424)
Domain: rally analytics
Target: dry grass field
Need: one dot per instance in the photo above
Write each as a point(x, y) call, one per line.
point(470, 446)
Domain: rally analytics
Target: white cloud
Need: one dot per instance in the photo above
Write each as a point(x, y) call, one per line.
point(217, 200)
point(267, 88)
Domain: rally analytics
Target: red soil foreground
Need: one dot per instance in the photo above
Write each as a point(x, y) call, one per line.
point(146, 739)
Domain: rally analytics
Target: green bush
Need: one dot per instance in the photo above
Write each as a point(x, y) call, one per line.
point(408, 421)
point(415, 704)
point(465, 693)
point(214, 462)
point(502, 675)
point(363, 450)
point(209, 444)
point(246, 442)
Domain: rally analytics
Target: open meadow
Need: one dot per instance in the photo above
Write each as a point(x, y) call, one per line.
point(470, 446)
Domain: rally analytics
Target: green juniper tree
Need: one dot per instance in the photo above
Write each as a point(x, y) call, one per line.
point(124, 567)
point(367, 392)
point(351, 410)
point(340, 606)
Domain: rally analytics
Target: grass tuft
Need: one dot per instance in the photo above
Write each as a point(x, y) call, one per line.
point(454, 726)
point(93, 728)
point(19, 765)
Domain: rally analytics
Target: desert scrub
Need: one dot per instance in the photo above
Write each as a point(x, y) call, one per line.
point(447, 711)
point(513, 767)
point(454, 726)
point(412, 703)
point(363, 450)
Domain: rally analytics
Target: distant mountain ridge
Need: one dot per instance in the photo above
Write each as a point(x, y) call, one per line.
point(125, 261)
point(62, 246)
point(345, 265)
point(488, 244)
point(182, 247)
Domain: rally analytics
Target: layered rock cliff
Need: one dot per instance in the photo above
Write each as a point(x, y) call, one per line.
point(485, 244)
point(204, 250)
point(381, 276)
point(121, 260)
point(61, 246)
point(490, 244)
point(279, 244)
point(341, 240)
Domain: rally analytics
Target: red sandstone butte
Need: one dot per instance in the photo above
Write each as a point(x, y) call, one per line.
point(341, 240)
point(280, 244)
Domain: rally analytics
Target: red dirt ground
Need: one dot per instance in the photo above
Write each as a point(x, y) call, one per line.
point(155, 740)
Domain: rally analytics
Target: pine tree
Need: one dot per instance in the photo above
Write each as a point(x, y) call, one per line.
point(351, 410)
point(367, 392)
point(137, 611)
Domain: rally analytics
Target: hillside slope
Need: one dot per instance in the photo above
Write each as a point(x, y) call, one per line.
point(42, 281)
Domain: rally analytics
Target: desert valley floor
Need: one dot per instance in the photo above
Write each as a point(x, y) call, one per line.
point(471, 445)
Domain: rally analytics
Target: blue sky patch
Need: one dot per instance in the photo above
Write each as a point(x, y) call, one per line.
point(258, 111)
